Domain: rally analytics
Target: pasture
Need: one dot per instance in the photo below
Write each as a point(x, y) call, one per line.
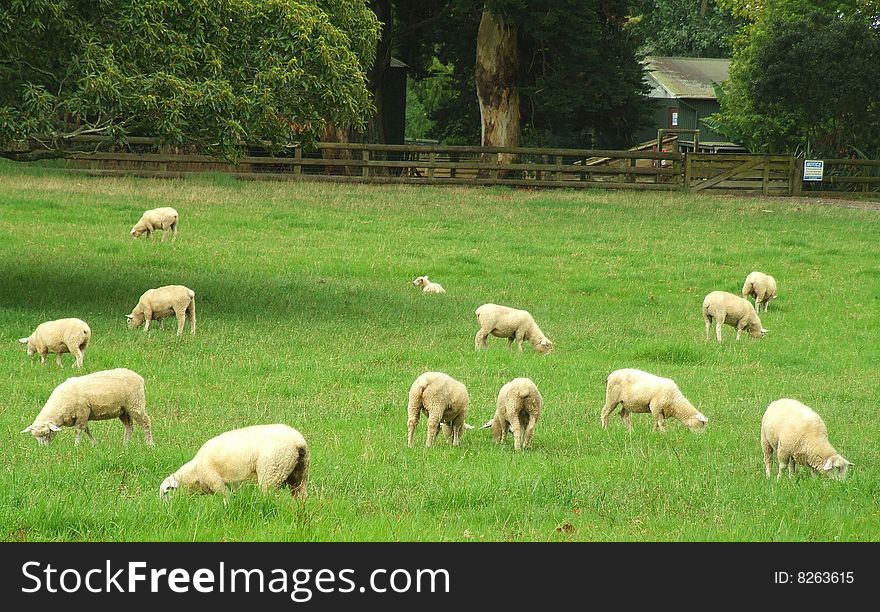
point(307, 315)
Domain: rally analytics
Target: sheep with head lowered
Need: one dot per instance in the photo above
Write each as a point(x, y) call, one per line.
point(60, 336)
point(760, 286)
point(273, 455)
point(156, 304)
point(444, 400)
point(517, 410)
point(639, 391)
point(798, 435)
point(108, 394)
point(428, 286)
point(510, 323)
point(726, 308)
point(164, 219)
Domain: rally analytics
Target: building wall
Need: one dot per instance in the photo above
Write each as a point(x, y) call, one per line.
point(689, 114)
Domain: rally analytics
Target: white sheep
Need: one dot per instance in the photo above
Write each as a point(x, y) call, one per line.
point(724, 307)
point(760, 286)
point(156, 304)
point(107, 394)
point(640, 391)
point(428, 286)
point(444, 400)
point(60, 336)
point(798, 435)
point(510, 323)
point(517, 410)
point(157, 219)
point(273, 455)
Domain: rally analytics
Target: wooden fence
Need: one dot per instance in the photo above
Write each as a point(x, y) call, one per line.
point(464, 165)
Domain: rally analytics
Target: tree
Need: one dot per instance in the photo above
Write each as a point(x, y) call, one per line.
point(685, 27)
point(207, 73)
point(806, 79)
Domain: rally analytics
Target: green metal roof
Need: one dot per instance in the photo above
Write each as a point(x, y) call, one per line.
point(685, 77)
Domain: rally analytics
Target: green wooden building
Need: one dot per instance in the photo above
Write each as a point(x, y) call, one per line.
point(682, 89)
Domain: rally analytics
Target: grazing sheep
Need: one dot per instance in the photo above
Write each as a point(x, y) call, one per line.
point(510, 323)
point(156, 304)
point(427, 286)
point(760, 286)
point(640, 391)
point(445, 401)
point(724, 307)
point(60, 336)
point(517, 410)
point(157, 219)
point(273, 455)
point(107, 394)
point(798, 435)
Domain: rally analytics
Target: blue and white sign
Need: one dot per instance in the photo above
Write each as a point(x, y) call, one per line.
point(813, 169)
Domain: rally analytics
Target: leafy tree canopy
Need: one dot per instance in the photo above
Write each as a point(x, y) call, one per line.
point(685, 28)
point(210, 73)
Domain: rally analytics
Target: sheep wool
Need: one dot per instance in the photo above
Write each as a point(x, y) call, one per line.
point(798, 435)
point(639, 391)
point(60, 336)
point(517, 409)
point(760, 286)
point(273, 455)
point(107, 394)
point(444, 400)
point(156, 304)
point(428, 286)
point(510, 323)
point(164, 219)
point(726, 308)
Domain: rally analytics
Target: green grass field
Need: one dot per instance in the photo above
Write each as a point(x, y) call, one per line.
point(307, 316)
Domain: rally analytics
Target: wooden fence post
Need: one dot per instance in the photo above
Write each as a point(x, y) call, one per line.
point(688, 170)
point(797, 177)
point(297, 163)
point(765, 179)
point(432, 157)
point(365, 169)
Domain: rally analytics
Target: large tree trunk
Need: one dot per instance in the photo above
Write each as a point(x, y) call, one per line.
point(376, 125)
point(330, 132)
point(496, 77)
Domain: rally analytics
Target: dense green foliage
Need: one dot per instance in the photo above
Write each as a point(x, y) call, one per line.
point(684, 28)
point(307, 315)
point(205, 73)
point(804, 78)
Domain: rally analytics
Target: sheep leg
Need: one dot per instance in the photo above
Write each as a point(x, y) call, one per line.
point(411, 423)
point(148, 316)
point(659, 419)
point(530, 431)
point(708, 324)
point(191, 311)
point(625, 417)
point(89, 434)
point(519, 341)
point(783, 464)
point(791, 466)
point(719, 323)
point(43, 357)
point(58, 360)
point(457, 429)
point(174, 229)
point(609, 407)
point(447, 431)
point(480, 339)
point(433, 428)
point(768, 454)
point(181, 318)
point(738, 331)
point(517, 433)
point(144, 421)
point(79, 356)
point(126, 422)
point(509, 343)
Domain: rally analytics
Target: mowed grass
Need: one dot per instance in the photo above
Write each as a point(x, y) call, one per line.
point(307, 316)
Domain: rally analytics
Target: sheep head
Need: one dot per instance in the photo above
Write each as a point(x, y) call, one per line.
point(421, 281)
point(30, 348)
point(697, 422)
point(167, 485)
point(136, 318)
point(544, 346)
point(835, 467)
point(43, 431)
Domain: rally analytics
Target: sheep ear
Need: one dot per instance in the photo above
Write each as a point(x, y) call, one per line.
point(23, 340)
point(128, 317)
point(702, 418)
point(487, 424)
point(828, 465)
point(28, 429)
point(849, 463)
point(53, 426)
point(764, 331)
point(468, 426)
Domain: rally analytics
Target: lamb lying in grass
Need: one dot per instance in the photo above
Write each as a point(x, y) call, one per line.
point(60, 336)
point(798, 435)
point(510, 323)
point(273, 455)
point(156, 304)
point(723, 307)
point(640, 391)
point(164, 219)
point(107, 394)
point(427, 286)
point(445, 401)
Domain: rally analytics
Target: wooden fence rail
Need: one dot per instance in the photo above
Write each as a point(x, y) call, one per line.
point(472, 165)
